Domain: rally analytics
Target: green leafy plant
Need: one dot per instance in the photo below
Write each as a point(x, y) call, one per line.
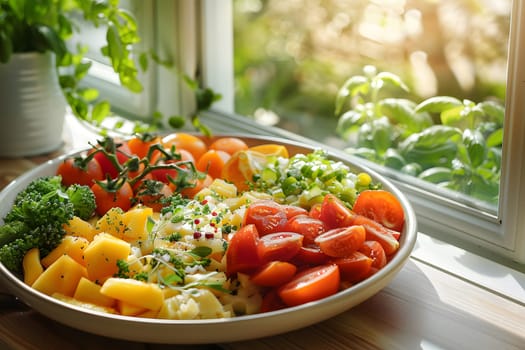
point(452, 143)
point(50, 26)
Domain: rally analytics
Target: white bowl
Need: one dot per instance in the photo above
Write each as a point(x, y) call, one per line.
point(215, 330)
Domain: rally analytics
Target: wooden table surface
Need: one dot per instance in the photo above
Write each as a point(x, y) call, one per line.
point(422, 308)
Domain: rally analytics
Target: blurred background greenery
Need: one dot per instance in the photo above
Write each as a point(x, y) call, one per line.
point(291, 57)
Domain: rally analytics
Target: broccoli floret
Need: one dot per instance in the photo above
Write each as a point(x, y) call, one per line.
point(35, 221)
point(83, 200)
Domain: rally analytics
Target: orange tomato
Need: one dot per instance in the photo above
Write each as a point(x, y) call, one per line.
point(311, 284)
point(229, 145)
point(141, 147)
point(212, 162)
point(274, 273)
point(375, 251)
point(189, 142)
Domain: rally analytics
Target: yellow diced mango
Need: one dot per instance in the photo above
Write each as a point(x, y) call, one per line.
point(134, 292)
point(32, 266)
point(80, 228)
point(135, 222)
point(101, 256)
point(84, 304)
point(61, 277)
point(127, 309)
point(71, 245)
point(89, 291)
point(111, 222)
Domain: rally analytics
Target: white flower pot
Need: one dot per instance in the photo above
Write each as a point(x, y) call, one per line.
point(32, 106)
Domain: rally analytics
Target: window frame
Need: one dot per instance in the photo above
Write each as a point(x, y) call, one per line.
point(502, 237)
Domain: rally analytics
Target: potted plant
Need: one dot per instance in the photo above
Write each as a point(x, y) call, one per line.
point(41, 69)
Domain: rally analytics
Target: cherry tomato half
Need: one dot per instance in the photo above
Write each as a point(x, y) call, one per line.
point(242, 255)
point(354, 267)
point(311, 284)
point(281, 246)
point(375, 251)
point(381, 206)
point(334, 213)
point(341, 242)
point(274, 274)
point(267, 215)
point(306, 225)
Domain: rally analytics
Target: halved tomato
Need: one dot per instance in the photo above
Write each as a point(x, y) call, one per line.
point(280, 246)
point(311, 284)
point(310, 255)
point(334, 213)
point(341, 242)
point(242, 254)
point(377, 232)
point(375, 251)
point(267, 215)
point(354, 267)
point(274, 274)
point(381, 206)
point(306, 225)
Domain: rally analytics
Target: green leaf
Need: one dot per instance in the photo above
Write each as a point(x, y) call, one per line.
point(199, 126)
point(115, 49)
point(100, 111)
point(6, 47)
point(438, 104)
point(452, 116)
point(495, 139)
point(88, 94)
point(391, 79)
point(494, 110)
point(48, 39)
point(143, 61)
point(475, 145)
point(201, 251)
point(355, 84)
point(176, 121)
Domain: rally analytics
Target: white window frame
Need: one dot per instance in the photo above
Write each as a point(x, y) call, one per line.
point(500, 238)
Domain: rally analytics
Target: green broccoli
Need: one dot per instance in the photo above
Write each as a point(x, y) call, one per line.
point(83, 200)
point(37, 217)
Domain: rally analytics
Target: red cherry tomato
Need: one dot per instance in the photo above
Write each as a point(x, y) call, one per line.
point(341, 242)
point(310, 255)
point(122, 154)
point(271, 301)
point(71, 173)
point(334, 213)
point(267, 215)
point(381, 206)
point(242, 255)
point(274, 274)
point(375, 251)
point(306, 225)
point(293, 210)
point(315, 211)
point(311, 284)
point(377, 232)
point(166, 168)
point(354, 267)
point(108, 199)
point(281, 246)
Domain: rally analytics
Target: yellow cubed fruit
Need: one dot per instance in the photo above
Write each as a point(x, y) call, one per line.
point(111, 222)
point(84, 304)
point(80, 228)
point(71, 245)
point(101, 256)
point(89, 291)
point(135, 223)
point(61, 277)
point(134, 292)
point(127, 309)
point(32, 266)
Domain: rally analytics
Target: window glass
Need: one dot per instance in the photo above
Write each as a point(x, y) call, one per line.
point(415, 86)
